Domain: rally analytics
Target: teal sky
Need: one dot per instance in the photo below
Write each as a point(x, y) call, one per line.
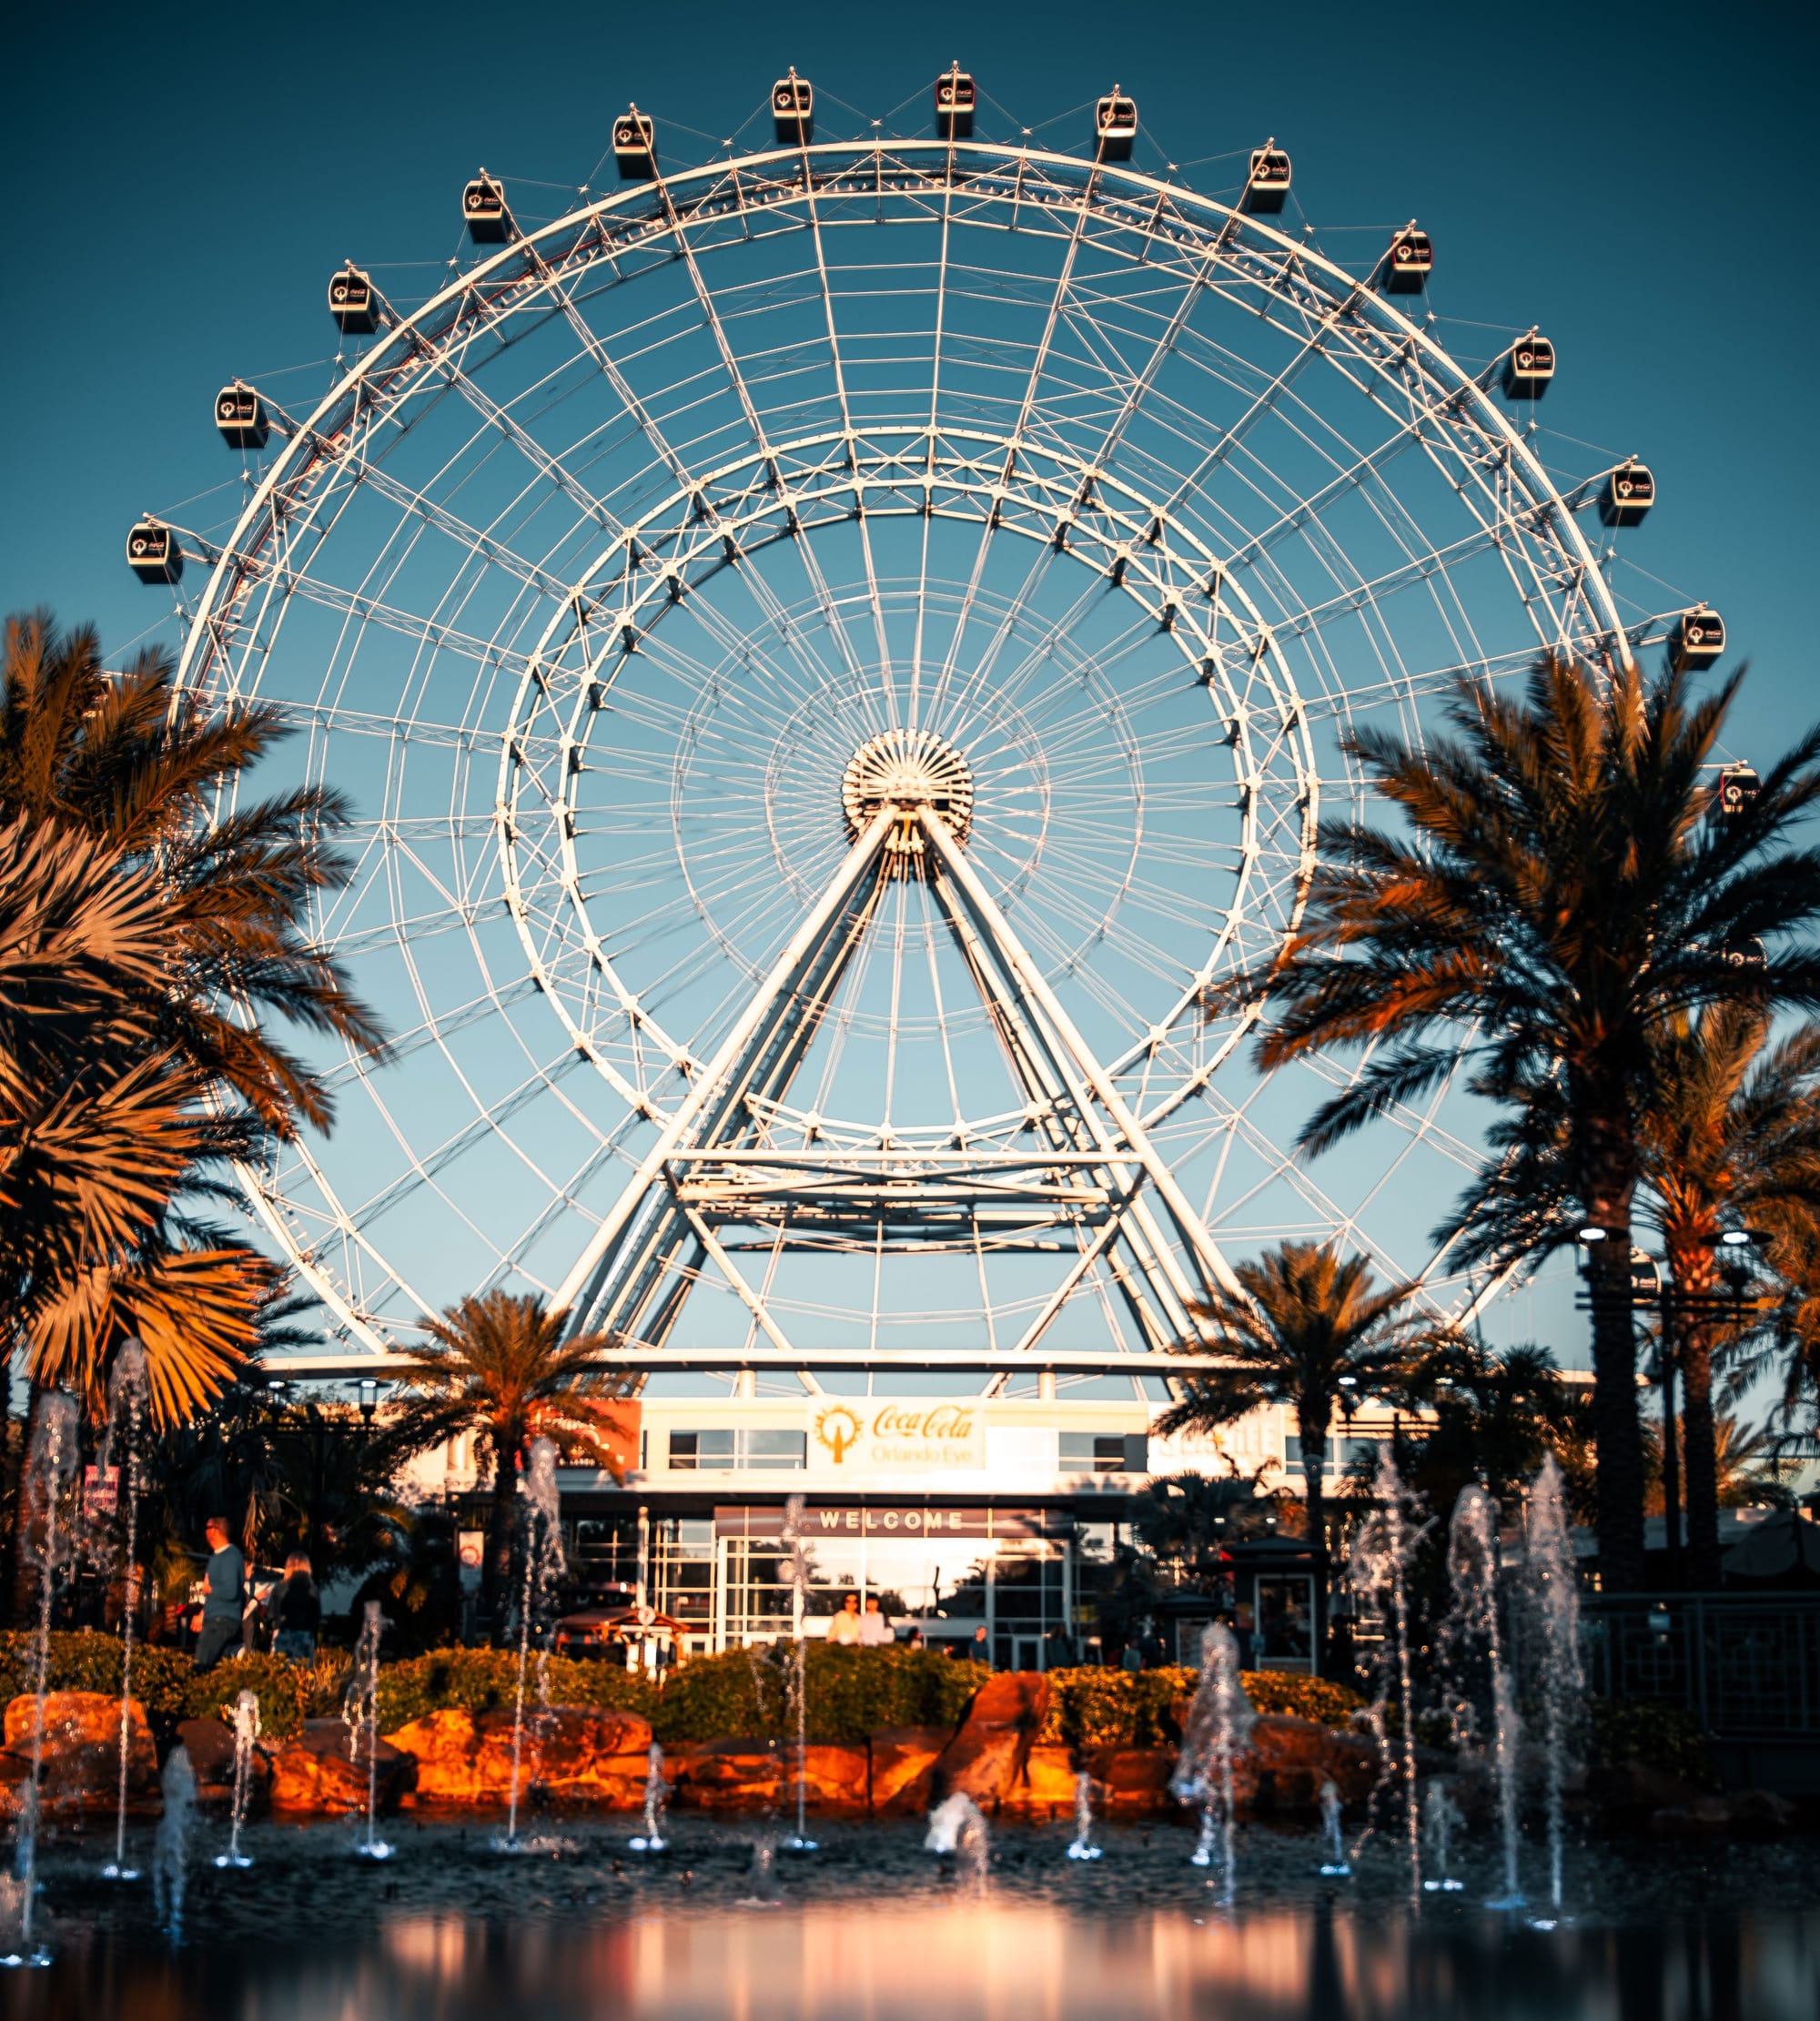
point(1638, 183)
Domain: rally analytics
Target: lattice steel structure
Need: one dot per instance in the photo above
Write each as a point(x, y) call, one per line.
point(833, 651)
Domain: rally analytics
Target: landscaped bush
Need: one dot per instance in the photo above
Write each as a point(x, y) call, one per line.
point(1131, 1708)
point(744, 1694)
point(486, 1681)
point(1661, 1736)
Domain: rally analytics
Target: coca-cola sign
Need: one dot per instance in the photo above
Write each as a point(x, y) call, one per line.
point(905, 1435)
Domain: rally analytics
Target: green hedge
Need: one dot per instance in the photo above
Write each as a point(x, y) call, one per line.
point(740, 1695)
point(486, 1680)
point(744, 1694)
point(1131, 1708)
point(1662, 1736)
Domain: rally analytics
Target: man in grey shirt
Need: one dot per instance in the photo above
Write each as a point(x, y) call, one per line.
point(227, 1600)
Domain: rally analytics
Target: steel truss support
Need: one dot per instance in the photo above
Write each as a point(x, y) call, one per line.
point(1088, 1185)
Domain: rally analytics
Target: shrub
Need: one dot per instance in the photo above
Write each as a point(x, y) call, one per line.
point(744, 1694)
point(486, 1681)
point(1091, 1709)
point(1663, 1736)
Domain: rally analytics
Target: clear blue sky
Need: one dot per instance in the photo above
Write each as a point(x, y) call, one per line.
point(1635, 179)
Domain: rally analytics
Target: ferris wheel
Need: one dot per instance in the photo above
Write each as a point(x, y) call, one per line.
point(833, 651)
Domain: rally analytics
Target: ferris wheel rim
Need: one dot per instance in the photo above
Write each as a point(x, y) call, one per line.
point(404, 341)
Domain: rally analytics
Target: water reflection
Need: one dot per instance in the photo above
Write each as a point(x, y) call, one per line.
point(1003, 1961)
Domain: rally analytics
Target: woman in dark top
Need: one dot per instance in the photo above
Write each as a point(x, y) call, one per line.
point(296, 1612)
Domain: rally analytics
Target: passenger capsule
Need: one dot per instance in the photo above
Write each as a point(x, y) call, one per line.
point(1747, 954)
point(793, 111)
point(635, 147)
point(483, 205)
point(1408, 263)
point(352, 304)
point(240, 414)
point(1738, 788)
point(955, 101)
point(153, 554)
point(1115, 127)
point(1698, 638)
point(1529, 365)
point(1268, 187)
point(1628, 494)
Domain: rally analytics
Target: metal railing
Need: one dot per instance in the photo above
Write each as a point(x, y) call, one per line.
point(1745, 1666)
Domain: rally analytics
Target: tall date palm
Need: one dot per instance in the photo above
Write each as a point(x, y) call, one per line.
point(1552, 900)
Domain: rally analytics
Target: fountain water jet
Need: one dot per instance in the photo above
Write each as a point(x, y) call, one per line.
point(1440, 1820)
point(129, 1392)
point(170, 1855)
point(1217, 1731)
point(49, 1468)
point(246, 1733)
point(1474, 1660)
point(656, 1795)
point(797, 1571)
point(1551, 1593)
point(541, 1537)
point(958, 1831)
point(1335, 1867)
point(361, 1712)
point(1082, 1847)
point(1381, 1550)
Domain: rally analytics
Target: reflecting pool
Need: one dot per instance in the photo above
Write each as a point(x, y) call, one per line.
point(729, 1925)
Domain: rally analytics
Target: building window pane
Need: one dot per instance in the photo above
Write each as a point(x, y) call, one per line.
point(1093, 1452)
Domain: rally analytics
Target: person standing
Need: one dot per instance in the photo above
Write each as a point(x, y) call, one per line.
point(875, 1629)
point(296, 1612)
point(845, 1628)
point(226, 1602)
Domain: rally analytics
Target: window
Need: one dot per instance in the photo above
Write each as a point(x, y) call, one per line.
point(747, 1449)
point(1292, 1455)
point(1094, 1452)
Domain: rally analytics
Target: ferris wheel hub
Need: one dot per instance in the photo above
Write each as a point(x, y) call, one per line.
point(908, 769)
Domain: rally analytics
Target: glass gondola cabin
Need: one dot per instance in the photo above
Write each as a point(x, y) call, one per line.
point(153, 554)
point(483, 205)
point(1115, 127)
point(1527, 368)
point(1738, 788)
point(1408, 263)
point(1629, 493)
point(1268, 187)
point(240, 414)
point(955, 101)
point(351, 303)
point(793, 111)
point(1698, 638)
point(635, 147)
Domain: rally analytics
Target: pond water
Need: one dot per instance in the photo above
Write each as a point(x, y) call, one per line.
point(871, 1926)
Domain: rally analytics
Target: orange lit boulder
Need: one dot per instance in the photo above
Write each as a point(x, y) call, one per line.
point(1134, 1778)
point(313, 1772)
point(80, 1753)
point(570, 1755)
point(209, 1743)
point(1047, 1787)
point(986, 1759)
point(1290, 1758)
point(903, 1758)
point(720, 1776)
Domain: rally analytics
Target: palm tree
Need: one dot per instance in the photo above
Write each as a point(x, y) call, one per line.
point(1557, 900)
point(498, 1366)
point(1185, 1514)
point(1487, 1415)
point(1307, 1326)
point(145, 927)
point(147, 774)
point(1729, 1130)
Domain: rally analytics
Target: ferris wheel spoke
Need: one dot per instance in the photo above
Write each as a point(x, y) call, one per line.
point(528, 447)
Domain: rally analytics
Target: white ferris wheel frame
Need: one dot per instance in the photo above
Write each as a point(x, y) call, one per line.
point(785, 488)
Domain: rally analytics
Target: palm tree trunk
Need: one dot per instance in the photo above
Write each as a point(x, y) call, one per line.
point(1695, 1279)
point(496, 1582)
point(1612, 1163)
point(1311, 1425)
point(1672, 1352)
point(20, 1602)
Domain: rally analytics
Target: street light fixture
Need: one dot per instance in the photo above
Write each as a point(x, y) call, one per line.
point(369, 1399)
